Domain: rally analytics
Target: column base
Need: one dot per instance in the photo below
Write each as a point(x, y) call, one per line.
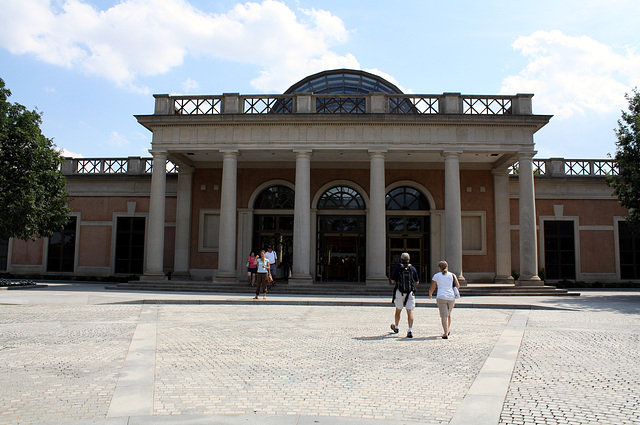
point(532, 281)
point(225, 277)
point(153, 277)
point(504, 279)
point(300, 280)
point(462, 280)
point(180, 276)
point(379, 281)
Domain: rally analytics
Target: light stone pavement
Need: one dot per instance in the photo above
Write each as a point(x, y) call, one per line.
point(306, 364)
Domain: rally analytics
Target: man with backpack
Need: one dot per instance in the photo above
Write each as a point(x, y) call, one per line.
point(405, 279)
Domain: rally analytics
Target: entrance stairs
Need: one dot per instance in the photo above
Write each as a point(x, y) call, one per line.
point(336, 288)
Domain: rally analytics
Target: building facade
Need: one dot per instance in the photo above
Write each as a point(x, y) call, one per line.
point(341, 173)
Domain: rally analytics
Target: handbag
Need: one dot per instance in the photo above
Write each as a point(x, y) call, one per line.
point(269, 278)
point(456, 293)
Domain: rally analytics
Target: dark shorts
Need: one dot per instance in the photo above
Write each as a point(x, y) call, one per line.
point(252, 271)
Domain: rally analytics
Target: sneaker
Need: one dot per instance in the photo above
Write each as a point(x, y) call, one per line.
point(394, 328)
point(409, 334)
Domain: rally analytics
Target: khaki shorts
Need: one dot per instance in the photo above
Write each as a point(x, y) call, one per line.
point(445, 307)
point(399, 301)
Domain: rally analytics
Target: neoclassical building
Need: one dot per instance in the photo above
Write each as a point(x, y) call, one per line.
point(341, 173)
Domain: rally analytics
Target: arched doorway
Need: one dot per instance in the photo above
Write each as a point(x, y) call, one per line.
point(273, 221)
point(408, 229)
point(341, 234)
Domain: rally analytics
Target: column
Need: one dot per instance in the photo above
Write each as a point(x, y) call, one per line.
point(453, 214)
point(183, 223)
point(228, 221)
point(376, 223)
point(527, 225)
point(302, 220)
point(503, 226)
point(155, 228)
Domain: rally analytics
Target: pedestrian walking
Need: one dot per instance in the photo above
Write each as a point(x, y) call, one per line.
point(405, 279)
point(252, 268)
point(447, 284)
point(273, 262)
point(262, 272)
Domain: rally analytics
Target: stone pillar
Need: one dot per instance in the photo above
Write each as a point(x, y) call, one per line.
point(503, 226)
point(183, 224)
point(228, 220)
point(302, 220)
point(376, 224)
point(527, 225)
point(453, 214)
point(155, 228)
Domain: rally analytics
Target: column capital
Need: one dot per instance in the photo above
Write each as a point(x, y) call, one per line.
point(227, 152)
point(526, 155)
point(449, 154)
point(303, 152)
point(185, 169)
point(378, 152)
point(159, 154)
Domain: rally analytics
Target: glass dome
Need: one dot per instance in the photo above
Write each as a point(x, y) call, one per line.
point(343, 81)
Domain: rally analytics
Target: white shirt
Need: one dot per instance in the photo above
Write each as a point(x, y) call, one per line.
point(272, 257)
point(445, 286)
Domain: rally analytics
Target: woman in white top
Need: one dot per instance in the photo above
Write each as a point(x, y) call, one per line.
point(446, 299)
point(263, 270)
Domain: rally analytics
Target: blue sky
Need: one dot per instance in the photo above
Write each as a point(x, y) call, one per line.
point(90, 66)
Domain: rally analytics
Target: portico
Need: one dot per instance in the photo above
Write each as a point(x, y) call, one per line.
point(367, 167)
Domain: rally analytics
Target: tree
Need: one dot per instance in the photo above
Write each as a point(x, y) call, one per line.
point(626, 185)
point(33, 196)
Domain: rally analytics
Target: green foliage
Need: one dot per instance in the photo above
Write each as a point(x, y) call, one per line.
point(32, 187)
point(626, 185)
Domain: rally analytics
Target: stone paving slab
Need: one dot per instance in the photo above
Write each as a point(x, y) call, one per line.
point(78, 362)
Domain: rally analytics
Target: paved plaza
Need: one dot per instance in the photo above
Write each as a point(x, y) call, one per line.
point(79, 354)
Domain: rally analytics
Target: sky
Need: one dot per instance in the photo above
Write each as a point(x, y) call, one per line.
point(89, 66)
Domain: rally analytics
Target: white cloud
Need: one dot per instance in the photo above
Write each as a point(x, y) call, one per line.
point(137, 38)
point(68, 154)
point(190, 85)
point(116, 140)
point(573, 75)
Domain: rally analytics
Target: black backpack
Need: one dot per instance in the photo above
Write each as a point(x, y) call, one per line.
point(405, 281)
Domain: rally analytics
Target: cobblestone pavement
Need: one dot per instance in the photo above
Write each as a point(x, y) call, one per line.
point(62, 363)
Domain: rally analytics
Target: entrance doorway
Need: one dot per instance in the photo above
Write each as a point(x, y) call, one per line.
point(412, 246)
point(341, 256)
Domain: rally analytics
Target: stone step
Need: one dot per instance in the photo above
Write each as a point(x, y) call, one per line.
point(348, 288)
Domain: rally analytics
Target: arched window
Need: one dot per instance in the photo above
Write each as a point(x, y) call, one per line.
point(406, 198)
point(276, 198)
point(341, 198)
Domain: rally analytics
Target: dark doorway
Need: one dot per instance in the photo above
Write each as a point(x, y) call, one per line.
point(629, 252)
point(341, 253)
point(559, 250)
point(62, 248)
point(130, 245)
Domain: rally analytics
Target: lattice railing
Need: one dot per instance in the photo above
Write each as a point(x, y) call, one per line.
point(148, 166)
point(418, 104)
point(89, 166)
point(267, 105)
point(210, 105)
point(539, 168)
point(486, 105)
point(605, 168)
point(115, 166)
point(341, 105)
point(577, 168)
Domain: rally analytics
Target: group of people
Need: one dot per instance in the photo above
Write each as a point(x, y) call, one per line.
point(446, 283)
point(261, 270)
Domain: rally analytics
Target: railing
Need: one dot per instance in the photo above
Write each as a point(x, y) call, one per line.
point(422, 104)
point(556, 167)
point(113, 166)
